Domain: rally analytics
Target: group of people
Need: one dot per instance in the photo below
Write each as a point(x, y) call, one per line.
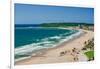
point(73, 52)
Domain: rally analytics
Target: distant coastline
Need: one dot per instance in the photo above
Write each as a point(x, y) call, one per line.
point(54, 24)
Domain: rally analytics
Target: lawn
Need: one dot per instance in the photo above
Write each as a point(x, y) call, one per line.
point(89, 54)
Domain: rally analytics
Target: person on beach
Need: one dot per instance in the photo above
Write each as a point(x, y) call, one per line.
point(63, 53)
point(74, 53)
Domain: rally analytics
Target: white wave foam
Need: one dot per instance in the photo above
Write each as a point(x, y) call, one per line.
point(55, 37)
point(67, 38)
point(47, 44)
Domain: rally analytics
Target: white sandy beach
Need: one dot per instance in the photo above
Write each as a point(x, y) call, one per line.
point(53, 55)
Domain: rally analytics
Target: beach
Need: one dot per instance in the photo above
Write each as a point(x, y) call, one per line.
point(54, 55)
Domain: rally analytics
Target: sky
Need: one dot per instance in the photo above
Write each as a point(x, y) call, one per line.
point(37, 14)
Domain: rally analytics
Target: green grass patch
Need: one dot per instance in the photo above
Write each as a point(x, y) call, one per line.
point(89, 54)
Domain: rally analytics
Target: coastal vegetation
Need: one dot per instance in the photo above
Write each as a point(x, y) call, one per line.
point(90, 55)
point(89, 45)
point(89, 49)
point(65, 24)
point(85, 26)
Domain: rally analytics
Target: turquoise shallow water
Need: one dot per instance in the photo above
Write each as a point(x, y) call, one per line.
point(31, 39)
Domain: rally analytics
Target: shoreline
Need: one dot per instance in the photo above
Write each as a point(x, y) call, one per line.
point(66, 40)
point(49, 53)
point(74, 36)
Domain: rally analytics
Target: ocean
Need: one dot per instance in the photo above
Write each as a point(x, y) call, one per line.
point(28, 40)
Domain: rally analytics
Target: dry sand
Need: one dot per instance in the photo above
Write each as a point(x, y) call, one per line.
point(53, 55)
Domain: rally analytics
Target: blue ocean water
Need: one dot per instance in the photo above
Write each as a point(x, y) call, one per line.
point(31, 39)
point(34, 35)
